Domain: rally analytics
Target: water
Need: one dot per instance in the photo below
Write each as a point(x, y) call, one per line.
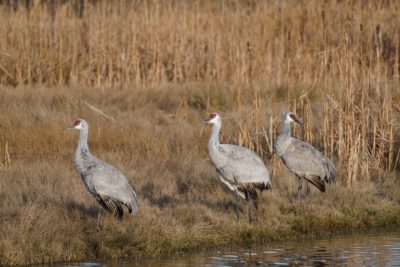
point(355, 250)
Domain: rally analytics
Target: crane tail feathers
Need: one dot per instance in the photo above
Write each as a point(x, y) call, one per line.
point(263, 186)
point(115, 208)
point(331, 172)
point(317, 182)
point(133, 207)
point(250, 191)
point(112, 206)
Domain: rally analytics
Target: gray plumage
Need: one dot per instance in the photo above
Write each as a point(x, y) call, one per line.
point(105, 182)
point(239, 168)
point(302, 158)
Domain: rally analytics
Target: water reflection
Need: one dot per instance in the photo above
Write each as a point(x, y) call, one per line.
point(355, 250)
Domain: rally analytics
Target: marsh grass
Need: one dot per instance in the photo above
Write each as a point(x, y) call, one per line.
point(145, 74)
point(47, 215)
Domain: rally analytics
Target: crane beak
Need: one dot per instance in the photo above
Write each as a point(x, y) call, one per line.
point(207, 120)
point(72, 126)
point(295, 119)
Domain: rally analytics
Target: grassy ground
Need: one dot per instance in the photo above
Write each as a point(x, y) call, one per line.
point(47, 215)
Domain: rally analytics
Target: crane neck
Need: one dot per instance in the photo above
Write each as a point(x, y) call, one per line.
point(283, 140)
point(83, 137)
point(214, 139)
point(286, 130)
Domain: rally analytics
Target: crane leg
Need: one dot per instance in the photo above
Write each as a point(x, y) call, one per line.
point(249, 210)
point(308, 189)
point(237, 205)
point(299, 187)
point(252, 218)
point(98, 220)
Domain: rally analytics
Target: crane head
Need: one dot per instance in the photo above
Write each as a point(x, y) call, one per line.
point(213, 118)
point(77, 124)
point(291, 117)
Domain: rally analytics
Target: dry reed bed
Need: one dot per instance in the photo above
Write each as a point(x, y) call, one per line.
point(150, 42)
point(341, 54)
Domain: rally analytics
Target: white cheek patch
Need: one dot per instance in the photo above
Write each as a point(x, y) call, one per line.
point(214, 120)
point(288, 118)
point(79, 126)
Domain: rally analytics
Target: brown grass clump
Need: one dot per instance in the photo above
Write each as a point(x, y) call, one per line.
point(144, 74)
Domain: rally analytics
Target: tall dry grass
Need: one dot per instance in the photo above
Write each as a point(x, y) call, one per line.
point(155, 69)
point(334, 62)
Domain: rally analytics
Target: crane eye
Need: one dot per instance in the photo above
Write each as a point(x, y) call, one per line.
point(77, 122)
point(212, 116)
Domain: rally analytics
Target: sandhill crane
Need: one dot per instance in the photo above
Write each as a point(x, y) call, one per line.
point(302, 158)
point(105, 182)
point(239, 168)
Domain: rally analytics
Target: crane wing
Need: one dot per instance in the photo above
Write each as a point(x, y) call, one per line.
point(242, 165)
point(307, 161)
point(113, 188)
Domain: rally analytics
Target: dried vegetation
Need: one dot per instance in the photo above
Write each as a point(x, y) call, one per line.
point(145, 73)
